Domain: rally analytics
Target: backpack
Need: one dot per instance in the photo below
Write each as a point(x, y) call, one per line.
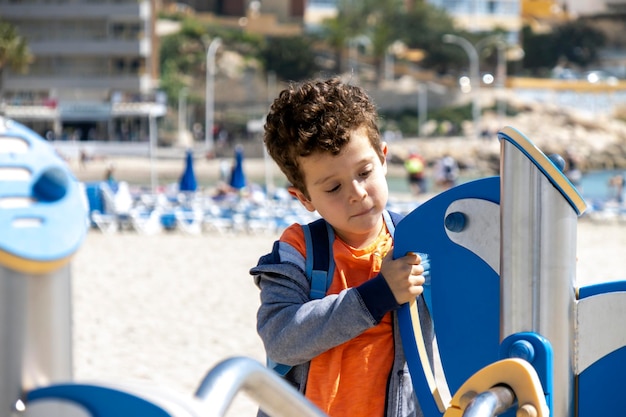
point(320, 262)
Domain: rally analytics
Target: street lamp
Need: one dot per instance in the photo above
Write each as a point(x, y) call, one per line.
point(153, 135)
point(210, 88)
point(501, 46)
point(422, 103)
point(182, 114)
point(474, 75)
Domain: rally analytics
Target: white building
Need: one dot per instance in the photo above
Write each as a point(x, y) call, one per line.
point(587, 7)
point(95, 73)
point(484, 15)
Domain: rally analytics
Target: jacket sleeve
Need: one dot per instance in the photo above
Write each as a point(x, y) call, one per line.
point(294, 328)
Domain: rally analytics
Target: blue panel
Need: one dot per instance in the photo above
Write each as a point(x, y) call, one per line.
point(601, 386)
point(168, 221)
point(465, 291)
point(602, 288)
point(99, 401)
point(94, 199)
point(57, 201)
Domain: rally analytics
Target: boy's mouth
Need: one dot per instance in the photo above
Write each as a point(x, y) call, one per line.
point(364, 212)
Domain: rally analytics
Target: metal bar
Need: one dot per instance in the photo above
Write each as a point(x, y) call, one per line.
point(490, 403)
point(538, 259)
point(274, 395)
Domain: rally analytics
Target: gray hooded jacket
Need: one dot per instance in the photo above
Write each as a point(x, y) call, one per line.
point(295, 329)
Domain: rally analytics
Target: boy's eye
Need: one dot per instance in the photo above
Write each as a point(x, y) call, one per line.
point(332, 190)
point(366, 173)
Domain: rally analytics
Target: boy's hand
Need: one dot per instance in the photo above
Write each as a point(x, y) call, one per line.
point(404, 276)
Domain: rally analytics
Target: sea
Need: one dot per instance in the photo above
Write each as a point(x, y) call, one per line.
point(594, 185)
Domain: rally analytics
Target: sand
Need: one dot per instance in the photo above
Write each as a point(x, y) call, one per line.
point(165, 309)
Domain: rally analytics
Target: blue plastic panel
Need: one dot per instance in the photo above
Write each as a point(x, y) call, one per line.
point(601, 386)
point(99, 401)
point(601, 288)
point(465, 292)
point(49, 223)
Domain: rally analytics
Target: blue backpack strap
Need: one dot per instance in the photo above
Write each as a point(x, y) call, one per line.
point(319, 263)
point(319, 267)
point(280, 368)
point(391, 220)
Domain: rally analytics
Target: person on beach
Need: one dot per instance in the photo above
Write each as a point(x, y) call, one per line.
point(446, 172)
point(344, 349)
point(415, 167)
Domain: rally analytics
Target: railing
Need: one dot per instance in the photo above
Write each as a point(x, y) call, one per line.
point(274, 395)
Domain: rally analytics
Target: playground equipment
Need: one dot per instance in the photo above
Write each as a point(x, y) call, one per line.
point(502, 255)
point(515, 336)
point(38, 201)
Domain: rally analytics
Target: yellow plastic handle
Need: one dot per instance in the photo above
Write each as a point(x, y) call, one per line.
point(518, 374)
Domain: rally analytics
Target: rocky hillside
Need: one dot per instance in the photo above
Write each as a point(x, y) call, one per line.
point(598, 143)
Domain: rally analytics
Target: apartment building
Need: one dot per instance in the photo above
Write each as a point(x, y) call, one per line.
point(588, 8)
point(95, 73)
point(485, 15)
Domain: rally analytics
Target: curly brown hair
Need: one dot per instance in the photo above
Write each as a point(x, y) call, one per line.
point(317, 116)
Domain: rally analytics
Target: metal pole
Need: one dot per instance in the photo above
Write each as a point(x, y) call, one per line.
point(422, 108)
point(152, 127)
point(269, 174)
point(501, 78)
point(474, 75)
point(492, 402)
point(210, 98)
point(500, 68)
point(182, 113)
point(274, 395)
point(538, 257)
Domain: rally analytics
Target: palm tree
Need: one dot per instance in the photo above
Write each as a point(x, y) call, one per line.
point(14, 52)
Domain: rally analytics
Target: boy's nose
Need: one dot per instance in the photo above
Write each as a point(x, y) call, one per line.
point(358, 191)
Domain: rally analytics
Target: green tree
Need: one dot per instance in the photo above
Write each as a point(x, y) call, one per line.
point(574, 42)
point(336, 34)
point(579, 42)
point(14, 51)
point(366, 19)
point(423, 28)
point(291, 58)
point(540, 51)
point(384, 22)
point(183, 56)
point(183, 59)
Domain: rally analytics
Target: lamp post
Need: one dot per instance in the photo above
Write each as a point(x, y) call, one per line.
point(422, 108)
point(422, 103)
point(182, 114)
point(501, 46)
point(153, 135)
point(474, 75)
point(210, 89)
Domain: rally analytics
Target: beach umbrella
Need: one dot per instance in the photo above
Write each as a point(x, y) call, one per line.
point(237, 176)
point(188, 179)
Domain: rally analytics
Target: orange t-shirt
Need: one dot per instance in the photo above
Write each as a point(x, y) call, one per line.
point(351, 379)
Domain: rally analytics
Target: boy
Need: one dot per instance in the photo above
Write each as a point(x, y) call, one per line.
point(345, 348)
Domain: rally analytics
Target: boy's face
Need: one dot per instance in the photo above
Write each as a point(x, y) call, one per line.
point(349, 190)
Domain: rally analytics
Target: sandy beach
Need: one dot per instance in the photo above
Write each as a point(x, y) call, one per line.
point(163, 310)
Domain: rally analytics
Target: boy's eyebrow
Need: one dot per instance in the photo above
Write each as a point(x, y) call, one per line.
point(322, 180)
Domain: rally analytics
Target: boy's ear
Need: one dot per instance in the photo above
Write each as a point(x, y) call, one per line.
point(385, 149)
point(295, 192)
